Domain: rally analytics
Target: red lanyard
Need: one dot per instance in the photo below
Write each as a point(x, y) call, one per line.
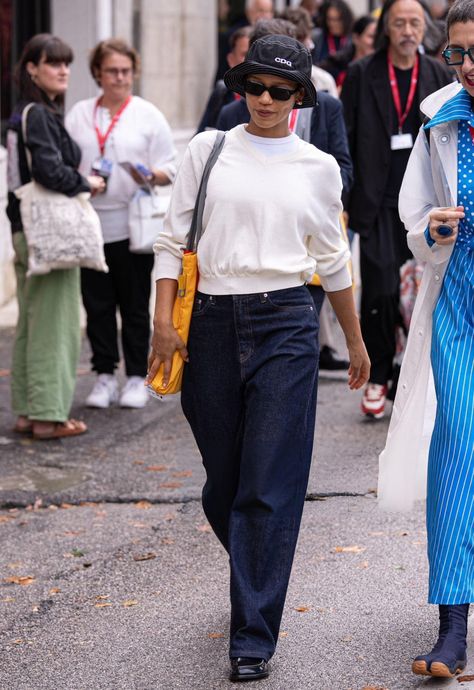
point(102, 138)
point(293, 120)
point(396, 92)
point(332, 43)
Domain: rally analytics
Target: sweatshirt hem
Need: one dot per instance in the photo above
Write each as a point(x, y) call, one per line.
point(246, 285)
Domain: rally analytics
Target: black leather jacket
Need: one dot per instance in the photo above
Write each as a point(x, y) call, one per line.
point(55, 156)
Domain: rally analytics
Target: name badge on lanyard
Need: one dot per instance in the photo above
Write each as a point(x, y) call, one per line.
point(402, 141)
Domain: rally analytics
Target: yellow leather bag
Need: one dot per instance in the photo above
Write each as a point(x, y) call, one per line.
point(316, 280)
point(187, 283)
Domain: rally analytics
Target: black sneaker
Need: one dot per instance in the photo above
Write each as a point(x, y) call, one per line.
point(329, 360)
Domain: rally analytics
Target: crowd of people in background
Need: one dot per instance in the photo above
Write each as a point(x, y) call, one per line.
point(357, 120)
point(333, 123)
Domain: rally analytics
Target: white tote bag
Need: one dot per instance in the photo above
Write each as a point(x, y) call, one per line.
point(146, 213)
point(61, 232)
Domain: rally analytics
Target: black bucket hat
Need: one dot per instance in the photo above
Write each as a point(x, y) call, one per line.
point(281, 56)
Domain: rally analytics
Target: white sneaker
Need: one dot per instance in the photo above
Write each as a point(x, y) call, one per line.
point(105, 391)
point(134, 393)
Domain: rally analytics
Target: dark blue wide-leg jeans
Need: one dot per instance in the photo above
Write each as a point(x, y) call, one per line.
point(249, 394)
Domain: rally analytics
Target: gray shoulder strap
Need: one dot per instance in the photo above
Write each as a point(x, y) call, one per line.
point(196, 223)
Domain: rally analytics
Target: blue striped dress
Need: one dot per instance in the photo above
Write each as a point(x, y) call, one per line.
point(450, 496)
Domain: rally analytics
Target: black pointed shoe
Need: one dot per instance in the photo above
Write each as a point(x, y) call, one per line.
point(448, 656)
point(244, 668)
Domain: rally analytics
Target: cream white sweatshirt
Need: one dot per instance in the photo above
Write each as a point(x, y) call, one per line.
point(270, 222)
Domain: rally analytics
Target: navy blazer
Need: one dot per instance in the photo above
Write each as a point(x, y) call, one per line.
point(328, 131)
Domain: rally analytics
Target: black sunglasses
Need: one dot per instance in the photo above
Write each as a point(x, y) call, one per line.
point(455, 56)
point(277, 93)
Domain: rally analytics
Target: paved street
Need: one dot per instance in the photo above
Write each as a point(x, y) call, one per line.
point(111, 579)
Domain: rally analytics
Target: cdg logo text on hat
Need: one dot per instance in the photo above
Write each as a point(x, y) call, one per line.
point(283, 61)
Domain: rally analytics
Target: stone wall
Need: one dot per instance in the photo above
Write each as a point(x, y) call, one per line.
point(178, 49)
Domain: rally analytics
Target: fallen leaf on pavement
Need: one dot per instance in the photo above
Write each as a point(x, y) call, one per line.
point(302, 609)
point(139, 525)
point(143, 505)
point(5, 518)
point(156, 468)
point(54, 590)
point(171, 485)
point(103, 605)
point(138, 462)
point(465, 679)
point(204, 528)
point(283, 634)
point(183, 473)
point(23, 580)
point(73, 533)
point(7, 600)
point(103, 596)
point(149, 556)
point(349, 549)
point(167, 541)
point(216, 636)
point(129, 602)
point(18, 641)
point(66, 506)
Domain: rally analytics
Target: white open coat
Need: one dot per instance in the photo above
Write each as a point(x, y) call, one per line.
point(430, 182)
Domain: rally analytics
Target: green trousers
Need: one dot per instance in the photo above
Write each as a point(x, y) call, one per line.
point(47, 340)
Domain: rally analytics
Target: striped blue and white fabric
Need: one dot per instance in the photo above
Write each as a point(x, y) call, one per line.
point(450, 498)
point(457, 108)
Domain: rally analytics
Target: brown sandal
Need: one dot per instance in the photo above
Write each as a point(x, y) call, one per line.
point(72, 427)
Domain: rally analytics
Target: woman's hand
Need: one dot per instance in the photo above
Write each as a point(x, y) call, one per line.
point(97, 184)
point(164, 343)
point(450, 215)
point(342, 301)
point(359, 369)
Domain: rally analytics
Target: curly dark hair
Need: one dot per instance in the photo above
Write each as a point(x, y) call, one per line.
point(346, 15)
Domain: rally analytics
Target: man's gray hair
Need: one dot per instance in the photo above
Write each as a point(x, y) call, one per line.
point(460, 13)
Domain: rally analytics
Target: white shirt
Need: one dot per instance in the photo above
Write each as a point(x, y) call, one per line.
point(270, 222)
point(141, 135)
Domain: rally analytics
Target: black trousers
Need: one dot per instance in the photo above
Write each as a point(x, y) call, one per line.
point(382, 254)
point(126, 286)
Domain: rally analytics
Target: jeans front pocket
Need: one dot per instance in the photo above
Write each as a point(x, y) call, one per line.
point(292, 299)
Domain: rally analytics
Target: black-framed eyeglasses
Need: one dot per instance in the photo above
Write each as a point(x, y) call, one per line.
point(455, 56)
point(277, 93)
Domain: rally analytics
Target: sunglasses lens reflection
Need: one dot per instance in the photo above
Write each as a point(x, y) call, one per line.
point(455, 56)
